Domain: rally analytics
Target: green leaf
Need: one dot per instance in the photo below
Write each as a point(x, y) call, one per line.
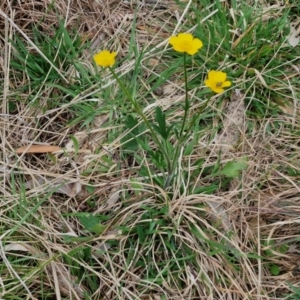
point(98, 228)
point(129, 141)
point(160, 118)
point(141, 233)
point(206, 189)
point(232, 169)
point(189, 148)
point(136, 186)
point(269, 251)
point(91, 223)
point(283, 248)
point(131, 122)
point(253, 255)
point(76, 144)
point(274, 269)
point(80, 239)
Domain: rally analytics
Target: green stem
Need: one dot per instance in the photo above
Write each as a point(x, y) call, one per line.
point(194, 120)
point(181, 136)
point(187, 104)
point(141, 114)
point(182, 139)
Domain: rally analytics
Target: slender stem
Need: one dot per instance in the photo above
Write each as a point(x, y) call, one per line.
point(141, 114)
point(194, 120)
point(181, 136)
point(187, 104)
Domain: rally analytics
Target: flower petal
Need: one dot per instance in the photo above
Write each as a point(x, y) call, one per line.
point(173, 40)
point(220, 76)
point(196, 45)
point(176, 43)
point(192, 51)
point(185, 37)
point(226, 84)
point(209, 83)
point(212, 75)
point(178, 48)
point(218, 90)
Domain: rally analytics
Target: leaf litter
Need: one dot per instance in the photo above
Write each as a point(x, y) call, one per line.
point(60, 275)
point(238, 213)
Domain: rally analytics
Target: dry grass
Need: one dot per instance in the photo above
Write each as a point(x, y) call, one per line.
point(200, 246)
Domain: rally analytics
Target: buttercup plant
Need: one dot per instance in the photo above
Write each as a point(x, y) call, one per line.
point(106, 59)
point(186, 44)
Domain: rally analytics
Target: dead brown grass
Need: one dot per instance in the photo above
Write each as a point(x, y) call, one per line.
point(262, 206)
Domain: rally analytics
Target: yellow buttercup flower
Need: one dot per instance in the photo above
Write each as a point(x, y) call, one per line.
point(217, 81)
point(185, 42)
point(105, 58)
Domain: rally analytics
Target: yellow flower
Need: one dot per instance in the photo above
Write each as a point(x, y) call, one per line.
point(105, 58)
point(185, 42)
point(217, 81)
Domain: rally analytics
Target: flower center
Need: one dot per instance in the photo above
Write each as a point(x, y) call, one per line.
point(219, 84)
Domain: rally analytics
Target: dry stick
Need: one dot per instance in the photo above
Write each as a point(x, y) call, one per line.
point(4, 100)
point(6, 69)
point(259, 260)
